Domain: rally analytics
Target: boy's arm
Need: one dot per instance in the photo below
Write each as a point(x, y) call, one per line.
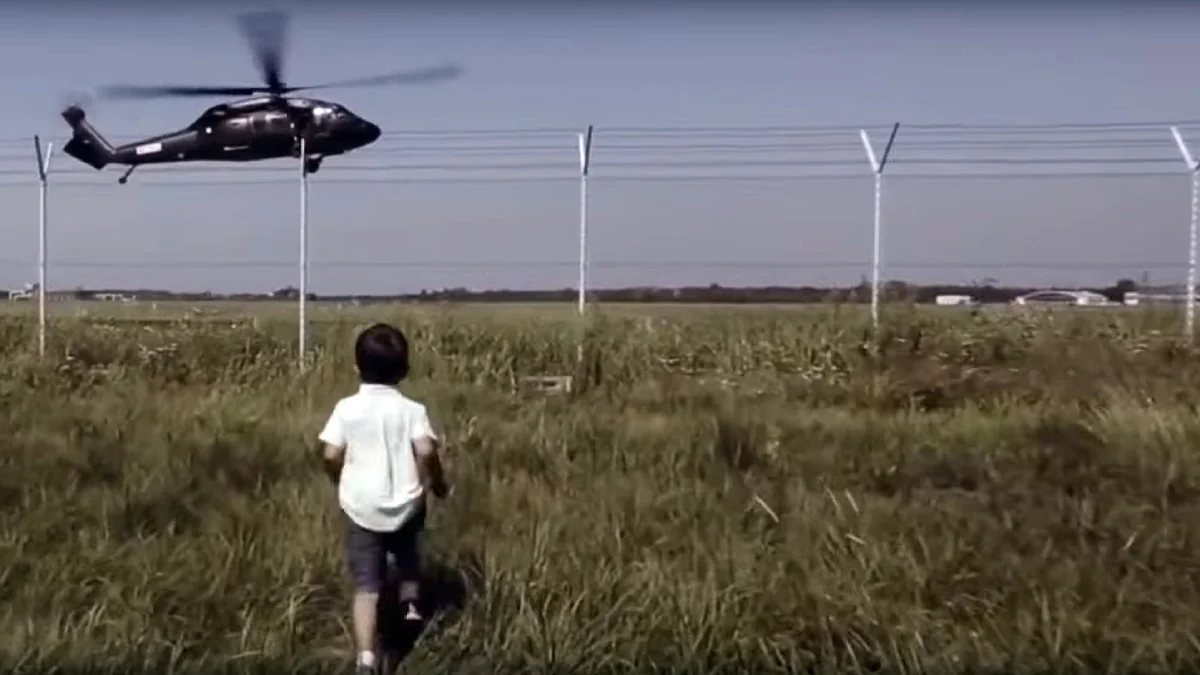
point(333, 446)
point(429, 466)
point(333, 457)
point(425, 449)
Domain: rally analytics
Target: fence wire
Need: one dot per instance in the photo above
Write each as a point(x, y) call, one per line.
point(1068, 204)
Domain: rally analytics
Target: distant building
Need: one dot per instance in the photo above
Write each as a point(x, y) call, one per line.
point(1056, 297)
point(955, 300)
point(26, 292)
point(1156, 298)
point(30, 293)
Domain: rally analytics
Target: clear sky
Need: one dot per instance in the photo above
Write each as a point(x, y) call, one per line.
point(393, 218)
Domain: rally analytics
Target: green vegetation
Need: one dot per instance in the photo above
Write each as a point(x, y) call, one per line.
point(760, 491)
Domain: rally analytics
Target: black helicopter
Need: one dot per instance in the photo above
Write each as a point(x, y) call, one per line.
point(268, 125)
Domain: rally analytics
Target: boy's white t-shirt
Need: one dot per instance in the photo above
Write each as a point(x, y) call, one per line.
point(379, 487)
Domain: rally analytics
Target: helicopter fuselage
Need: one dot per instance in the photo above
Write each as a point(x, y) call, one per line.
point(240, 131)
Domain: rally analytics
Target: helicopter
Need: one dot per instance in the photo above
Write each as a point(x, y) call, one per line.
point(267, 123)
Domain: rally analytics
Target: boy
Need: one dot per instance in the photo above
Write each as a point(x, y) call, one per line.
point(381, 451)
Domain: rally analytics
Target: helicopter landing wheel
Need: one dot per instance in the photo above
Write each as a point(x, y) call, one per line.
point(312, 164)
point(125, 176)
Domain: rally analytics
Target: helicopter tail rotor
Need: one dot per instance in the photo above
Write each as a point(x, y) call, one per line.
point(77, 99)
point(86, 144)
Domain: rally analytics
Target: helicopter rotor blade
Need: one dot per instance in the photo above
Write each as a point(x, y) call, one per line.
point(266, 31)
point(152, 91)
point(416, 76)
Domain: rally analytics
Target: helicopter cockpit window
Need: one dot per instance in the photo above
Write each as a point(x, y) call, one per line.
point(323, 114)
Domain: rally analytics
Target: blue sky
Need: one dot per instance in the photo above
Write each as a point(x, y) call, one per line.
point(553, 71)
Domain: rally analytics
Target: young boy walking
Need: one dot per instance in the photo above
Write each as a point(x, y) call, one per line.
point(381, 451)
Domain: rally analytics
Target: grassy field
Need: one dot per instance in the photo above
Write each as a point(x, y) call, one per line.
point(721, 491)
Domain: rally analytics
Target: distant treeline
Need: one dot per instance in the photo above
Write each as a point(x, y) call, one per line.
point(892, 291)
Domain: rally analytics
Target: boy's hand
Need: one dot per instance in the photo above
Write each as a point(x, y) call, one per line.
point(429, 466)
point(425, 446)
point(440, 489)
point(333, 457)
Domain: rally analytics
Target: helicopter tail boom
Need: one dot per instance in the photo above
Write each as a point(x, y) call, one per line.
point(86, 144)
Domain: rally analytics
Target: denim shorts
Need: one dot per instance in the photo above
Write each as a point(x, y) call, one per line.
point(368, 552)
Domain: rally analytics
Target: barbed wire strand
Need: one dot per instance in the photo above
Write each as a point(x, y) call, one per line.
point(760, 131)
point(24, 145)
point(1164, 150)
point(661, 164)
point(610, 264)
point(485, 180)
point(660, 150)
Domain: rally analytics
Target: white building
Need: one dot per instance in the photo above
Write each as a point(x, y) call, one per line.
point(1056, 297)
point(955, 300)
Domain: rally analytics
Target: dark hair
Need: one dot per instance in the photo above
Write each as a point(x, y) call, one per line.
point(381, 353)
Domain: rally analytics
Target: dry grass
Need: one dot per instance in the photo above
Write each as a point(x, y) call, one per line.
point(772, 493)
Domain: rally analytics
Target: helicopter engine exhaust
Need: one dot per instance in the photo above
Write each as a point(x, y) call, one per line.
point(86, 144)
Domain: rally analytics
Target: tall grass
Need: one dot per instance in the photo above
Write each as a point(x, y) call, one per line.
point(768, 492)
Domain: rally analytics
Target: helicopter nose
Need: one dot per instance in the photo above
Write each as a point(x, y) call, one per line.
point(368, 132)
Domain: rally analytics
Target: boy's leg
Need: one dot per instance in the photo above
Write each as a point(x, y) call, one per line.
point(405, 547)
point(365, 553)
